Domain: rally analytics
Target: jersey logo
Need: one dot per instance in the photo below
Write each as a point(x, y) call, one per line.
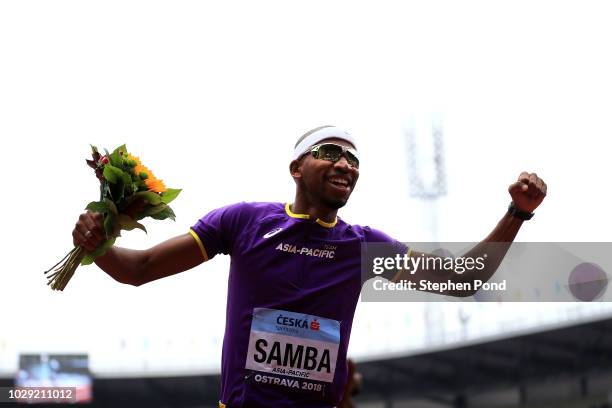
point(314, 325)
point(272, 233)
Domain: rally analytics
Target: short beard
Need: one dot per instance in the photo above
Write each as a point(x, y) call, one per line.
point(328, 202)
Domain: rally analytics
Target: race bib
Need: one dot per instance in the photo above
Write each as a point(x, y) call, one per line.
point(297, 350)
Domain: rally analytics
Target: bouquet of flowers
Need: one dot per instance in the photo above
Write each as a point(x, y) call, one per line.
point(129, 192)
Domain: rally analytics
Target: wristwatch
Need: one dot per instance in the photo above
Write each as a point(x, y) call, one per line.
point(513, 211)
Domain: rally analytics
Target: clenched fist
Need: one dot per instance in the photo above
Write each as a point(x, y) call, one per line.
point(527, 192)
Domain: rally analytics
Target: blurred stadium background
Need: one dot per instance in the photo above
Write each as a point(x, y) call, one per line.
point(212, 98)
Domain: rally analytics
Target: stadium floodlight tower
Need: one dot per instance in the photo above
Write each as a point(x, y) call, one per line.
point(427, 183)
point(427, 177)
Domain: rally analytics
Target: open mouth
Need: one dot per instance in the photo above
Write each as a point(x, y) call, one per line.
point(340, 183)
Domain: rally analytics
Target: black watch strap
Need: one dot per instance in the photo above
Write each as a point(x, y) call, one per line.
point(513, 211)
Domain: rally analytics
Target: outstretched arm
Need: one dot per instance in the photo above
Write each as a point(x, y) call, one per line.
point(527, 194)
point(137, 267)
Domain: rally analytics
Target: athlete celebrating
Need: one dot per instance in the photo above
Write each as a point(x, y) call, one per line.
point(294, 278)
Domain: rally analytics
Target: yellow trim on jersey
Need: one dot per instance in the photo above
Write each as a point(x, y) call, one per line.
point(294, 215)
point(327, 224)
point(221, 405)
point(307, 217)
point(409, 252)
point(200, 244)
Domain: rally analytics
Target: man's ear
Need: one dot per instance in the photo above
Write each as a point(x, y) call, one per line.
point(295, 168)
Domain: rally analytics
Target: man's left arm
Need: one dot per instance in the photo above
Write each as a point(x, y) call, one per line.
point(527, 194)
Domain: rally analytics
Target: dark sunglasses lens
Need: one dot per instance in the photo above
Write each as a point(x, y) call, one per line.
point(352, 159)
point(330, 152)
point(333, 152)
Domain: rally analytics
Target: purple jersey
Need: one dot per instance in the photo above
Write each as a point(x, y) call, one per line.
point(293, 288)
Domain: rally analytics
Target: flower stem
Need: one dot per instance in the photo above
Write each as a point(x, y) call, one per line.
point(61, 276)
point(63, 259)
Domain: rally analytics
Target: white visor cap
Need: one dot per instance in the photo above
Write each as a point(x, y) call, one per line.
point(327, 132)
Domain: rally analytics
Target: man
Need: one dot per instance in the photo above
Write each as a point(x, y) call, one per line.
point(294, 278)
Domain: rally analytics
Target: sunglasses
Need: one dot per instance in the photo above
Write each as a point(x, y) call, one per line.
point(332, 152)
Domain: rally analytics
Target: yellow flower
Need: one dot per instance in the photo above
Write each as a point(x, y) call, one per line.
point(152, 182)
point(155, 184)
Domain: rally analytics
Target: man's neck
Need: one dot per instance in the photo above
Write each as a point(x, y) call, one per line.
point(303, 206)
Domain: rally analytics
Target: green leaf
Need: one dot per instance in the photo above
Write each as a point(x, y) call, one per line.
point(128, 224)
point(97, 206)
point(114, 174)
point(149, 196)
point(154, 209)
point(170, 194)
point(116, 159)
point(118, 188)
point(99, 251)
point(121, 149)
point(165, 214)
point(118, 171)
point(109, 224)
point(111, 206)
point(87, 260)
point(109, 174)
point(127, 180)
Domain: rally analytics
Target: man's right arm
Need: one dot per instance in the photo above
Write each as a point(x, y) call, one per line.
point(137, 267)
